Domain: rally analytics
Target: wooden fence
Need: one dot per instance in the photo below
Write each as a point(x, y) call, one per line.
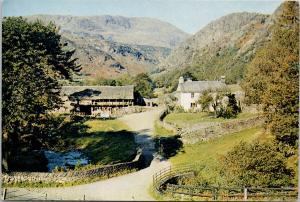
point(162, 182)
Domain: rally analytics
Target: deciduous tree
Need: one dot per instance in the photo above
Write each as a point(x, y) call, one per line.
point(272, 76)
point(34, 58)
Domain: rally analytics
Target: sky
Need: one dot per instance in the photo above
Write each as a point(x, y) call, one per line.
point(188, 15)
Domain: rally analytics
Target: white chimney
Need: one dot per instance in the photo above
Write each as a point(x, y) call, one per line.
point(181, 79)
point(223, 79)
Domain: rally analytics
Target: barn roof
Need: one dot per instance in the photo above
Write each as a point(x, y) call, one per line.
point(98, 92)
point(199, 86)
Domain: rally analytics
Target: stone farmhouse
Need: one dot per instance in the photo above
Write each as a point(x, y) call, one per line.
point(188, 92)
point(96, 100)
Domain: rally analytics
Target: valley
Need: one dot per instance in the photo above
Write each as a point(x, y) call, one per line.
point(108, 107)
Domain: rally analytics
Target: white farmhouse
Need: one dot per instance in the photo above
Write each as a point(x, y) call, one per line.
point(189, 92)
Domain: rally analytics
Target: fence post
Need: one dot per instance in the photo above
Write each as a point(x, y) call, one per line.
point(84, 197)
point(46, 196)
point(4, 194)
point(214, 193)
point(245, 194)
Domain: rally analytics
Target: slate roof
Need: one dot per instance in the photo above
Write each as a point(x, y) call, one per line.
point(98, 92)
point(199, 86)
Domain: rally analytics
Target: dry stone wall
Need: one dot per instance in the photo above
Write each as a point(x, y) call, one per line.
point(69, 176)
point(163, 123)
point(218, 129)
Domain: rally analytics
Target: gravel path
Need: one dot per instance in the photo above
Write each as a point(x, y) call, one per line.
point(133, 186)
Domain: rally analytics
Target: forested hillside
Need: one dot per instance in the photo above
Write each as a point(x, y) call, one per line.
point(224, 47)
point(272, 80)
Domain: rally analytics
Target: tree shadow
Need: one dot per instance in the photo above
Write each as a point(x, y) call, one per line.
point(144, 140)
point(101, 147)
point(108, 147)
point(168, 146)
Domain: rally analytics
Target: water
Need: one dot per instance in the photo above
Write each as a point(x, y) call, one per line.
point(65, 160)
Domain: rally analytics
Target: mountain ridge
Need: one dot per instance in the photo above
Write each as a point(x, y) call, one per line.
point(223, 47)
point(109, 46)
point(160, 33)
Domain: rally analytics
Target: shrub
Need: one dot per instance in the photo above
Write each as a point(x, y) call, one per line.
point(231, 110)
point(256, 164)
point(178, 109)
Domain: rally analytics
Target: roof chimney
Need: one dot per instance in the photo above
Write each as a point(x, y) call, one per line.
point(181, 79)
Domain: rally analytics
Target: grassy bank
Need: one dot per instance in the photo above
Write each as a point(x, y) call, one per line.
point(183, 119)
point(207, 153)
point(161, 131)
point(204, 156)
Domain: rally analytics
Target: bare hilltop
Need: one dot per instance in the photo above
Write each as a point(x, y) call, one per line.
point(109, 46)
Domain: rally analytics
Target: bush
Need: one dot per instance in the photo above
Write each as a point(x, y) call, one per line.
point(178, 109)
point(231, 110)
point(256, 164)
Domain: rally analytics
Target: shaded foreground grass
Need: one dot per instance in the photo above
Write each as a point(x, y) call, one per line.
point(183, 119)
point(103, 141)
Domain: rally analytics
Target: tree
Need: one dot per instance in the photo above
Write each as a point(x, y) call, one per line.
point(231, 110)
point(205, 100)
point(272, 76)
point(188, 75)
point(33, 60)
point(144, 85)
point(256, 164)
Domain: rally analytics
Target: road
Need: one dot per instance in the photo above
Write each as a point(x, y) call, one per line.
point(133, 186)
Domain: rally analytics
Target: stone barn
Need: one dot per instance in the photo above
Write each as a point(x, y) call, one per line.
point(96, 100)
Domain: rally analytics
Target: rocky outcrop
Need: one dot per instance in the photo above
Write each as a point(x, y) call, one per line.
point(101, 42)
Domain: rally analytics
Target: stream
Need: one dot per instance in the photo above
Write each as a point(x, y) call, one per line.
point(65, 160)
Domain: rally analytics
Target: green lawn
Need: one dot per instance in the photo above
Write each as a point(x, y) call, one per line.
point(207, 153)
point(103, 141)
point(161, 131)
point(204, 156)
point(183, 119)
point(105, 125)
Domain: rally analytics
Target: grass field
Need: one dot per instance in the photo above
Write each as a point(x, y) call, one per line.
point(183, 119)
point(207, 153)
point(105, 125)
point(204, 156)
point(104, 141)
